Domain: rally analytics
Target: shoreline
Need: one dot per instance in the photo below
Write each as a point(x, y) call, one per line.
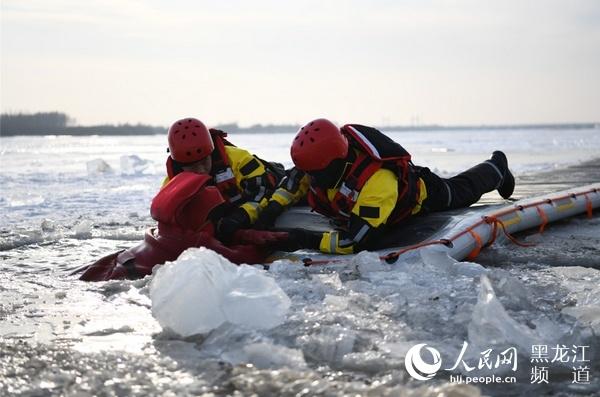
point(234, 128)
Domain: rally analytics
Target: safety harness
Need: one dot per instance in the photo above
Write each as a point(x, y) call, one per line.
point(375, 151)
point(221, 168)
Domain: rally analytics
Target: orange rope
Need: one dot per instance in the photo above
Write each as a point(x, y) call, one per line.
point(588, 205)
point(544, 217)
point(394, 255)
point(508, 235)
point(473, 254)
point(494, 233)
point(491, 220)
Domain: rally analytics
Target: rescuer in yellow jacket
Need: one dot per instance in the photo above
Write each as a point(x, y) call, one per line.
point(367, 183)
point(244, 180)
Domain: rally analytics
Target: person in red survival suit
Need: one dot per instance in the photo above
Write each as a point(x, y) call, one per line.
point(245, 181)
point(187, 210)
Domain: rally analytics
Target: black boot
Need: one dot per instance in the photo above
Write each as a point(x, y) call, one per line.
point(506, 187)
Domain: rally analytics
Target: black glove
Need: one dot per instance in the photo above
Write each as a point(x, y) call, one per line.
point(300, 239)
point(267, 217)
point(228, 225)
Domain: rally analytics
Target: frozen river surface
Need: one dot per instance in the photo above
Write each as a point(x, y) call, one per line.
point(532, 314)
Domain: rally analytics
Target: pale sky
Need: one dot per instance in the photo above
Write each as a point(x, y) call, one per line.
point(373, 62)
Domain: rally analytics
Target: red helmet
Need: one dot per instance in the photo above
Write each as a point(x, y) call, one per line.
point(317, 144)
point(189, 141)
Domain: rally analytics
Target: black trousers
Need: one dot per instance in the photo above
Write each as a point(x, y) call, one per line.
point(461, 190)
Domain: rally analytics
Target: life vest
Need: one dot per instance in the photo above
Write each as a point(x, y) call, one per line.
point(175, 233)
point(375, 151)
point(225, 179)
point(169, 206)
point(182, 208)
point(221, 168)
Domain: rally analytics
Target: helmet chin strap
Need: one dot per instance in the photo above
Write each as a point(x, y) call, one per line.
point(334, 174)
point(347, 166)
point(349, 160)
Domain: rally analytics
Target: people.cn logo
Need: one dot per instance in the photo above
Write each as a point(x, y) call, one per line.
point(419, 369)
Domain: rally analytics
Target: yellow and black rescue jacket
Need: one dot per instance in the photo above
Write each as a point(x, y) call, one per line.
point(244, 180)
point(380, 188)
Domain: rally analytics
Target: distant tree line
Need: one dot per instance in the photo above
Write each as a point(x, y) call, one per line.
point(256, 128)
point(56, 123)
point(38, 123)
